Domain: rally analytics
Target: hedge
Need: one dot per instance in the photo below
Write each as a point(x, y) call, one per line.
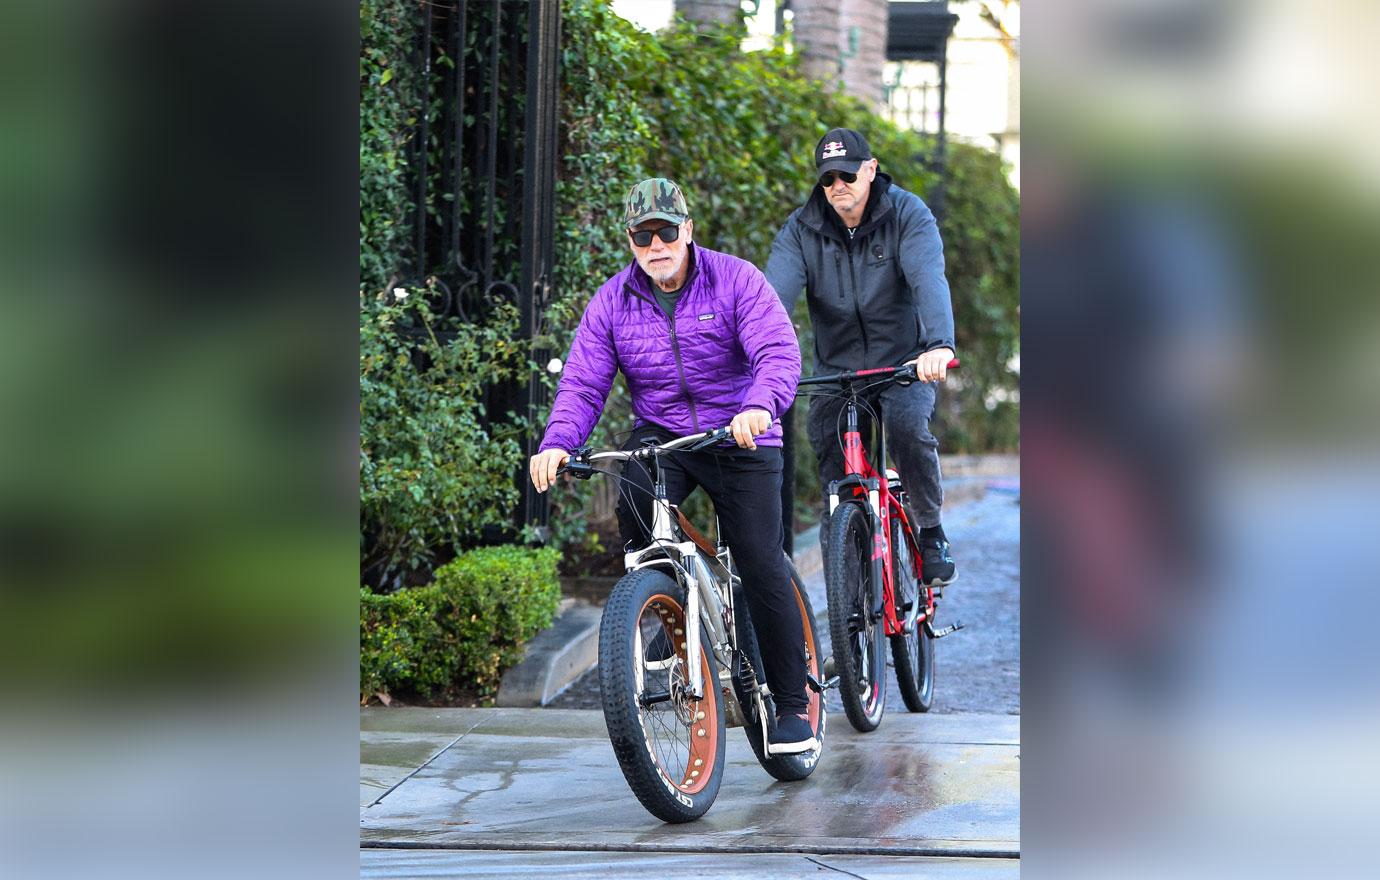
point(461, 631)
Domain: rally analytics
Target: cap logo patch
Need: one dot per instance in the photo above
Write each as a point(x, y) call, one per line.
point(832, 149)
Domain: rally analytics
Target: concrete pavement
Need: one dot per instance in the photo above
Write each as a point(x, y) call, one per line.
point(521, 786)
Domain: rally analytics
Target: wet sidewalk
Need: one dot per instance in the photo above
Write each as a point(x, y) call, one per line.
point(516, 783)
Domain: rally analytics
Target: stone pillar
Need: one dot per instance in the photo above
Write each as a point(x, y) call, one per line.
point(865, 53)
point(816, 37)
point(710, 11)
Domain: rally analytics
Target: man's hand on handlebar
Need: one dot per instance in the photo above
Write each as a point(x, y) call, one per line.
point(544, 466)
point(933, 365)
point(748, 424)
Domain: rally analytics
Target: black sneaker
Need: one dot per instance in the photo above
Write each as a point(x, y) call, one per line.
point(937, 566)
point(791, 736)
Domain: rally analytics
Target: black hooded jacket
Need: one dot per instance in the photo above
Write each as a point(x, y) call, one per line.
point(877, 300)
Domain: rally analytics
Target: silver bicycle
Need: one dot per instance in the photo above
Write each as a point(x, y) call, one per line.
point(679, 661)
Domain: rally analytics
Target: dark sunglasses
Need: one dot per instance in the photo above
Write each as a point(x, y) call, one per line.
point(827, 180)
point(643, 237)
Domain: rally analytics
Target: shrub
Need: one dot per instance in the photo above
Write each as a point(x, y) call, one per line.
point(461, 631)
point(432, 474)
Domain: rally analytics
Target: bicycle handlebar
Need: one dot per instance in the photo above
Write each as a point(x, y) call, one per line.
point(904, 371)
point(581, 462)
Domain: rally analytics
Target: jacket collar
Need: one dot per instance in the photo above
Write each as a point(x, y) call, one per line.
point(820, 216)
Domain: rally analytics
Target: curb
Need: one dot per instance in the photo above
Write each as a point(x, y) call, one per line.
point(555, 657)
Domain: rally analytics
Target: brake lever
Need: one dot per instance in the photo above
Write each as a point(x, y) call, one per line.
point(578, 465)
point(718, 435)
point(906, 375)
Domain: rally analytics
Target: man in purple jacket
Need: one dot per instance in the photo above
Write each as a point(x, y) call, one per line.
point(703, 341)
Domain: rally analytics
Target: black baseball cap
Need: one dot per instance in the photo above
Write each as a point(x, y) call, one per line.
point(841, 149)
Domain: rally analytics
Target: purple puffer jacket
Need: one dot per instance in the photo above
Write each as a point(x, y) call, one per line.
point(732, 348)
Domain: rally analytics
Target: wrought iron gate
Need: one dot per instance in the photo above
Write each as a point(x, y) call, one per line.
point(486, 138)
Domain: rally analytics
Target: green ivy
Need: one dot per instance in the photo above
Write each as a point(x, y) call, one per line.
point(388, 95)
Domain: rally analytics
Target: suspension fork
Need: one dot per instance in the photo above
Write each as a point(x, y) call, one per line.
point(694, 674)
point(664, 532)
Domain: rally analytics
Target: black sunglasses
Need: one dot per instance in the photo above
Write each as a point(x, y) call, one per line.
point(827, 180)
point(643, 237)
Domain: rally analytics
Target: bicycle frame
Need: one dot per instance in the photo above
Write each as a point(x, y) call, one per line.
point(863, 479)
point(705, 604)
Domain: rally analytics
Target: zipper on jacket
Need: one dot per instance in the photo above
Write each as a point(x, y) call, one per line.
point(675, 350)
point(680, 368)
point(838, 273)
point(857, 305)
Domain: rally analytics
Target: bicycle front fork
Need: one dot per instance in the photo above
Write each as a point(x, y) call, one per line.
point(877, 564)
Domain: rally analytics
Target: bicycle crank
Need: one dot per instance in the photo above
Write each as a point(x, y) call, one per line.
point(831, 680)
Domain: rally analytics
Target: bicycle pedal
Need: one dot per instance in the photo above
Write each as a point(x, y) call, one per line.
point(946, 631)
point(831, 682)
point(814, 683)
point(810, 745)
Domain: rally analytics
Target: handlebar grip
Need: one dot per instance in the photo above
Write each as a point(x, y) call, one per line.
point(577, 465)
point(716, 436)
point(580, 470)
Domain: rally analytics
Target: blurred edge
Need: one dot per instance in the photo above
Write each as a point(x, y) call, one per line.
point(178, 443)
point(1201, 207)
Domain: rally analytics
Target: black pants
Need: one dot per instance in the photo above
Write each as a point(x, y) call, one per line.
point(745, 486)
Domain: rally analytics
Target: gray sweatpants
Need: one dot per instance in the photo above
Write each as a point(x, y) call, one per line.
point(905, 411)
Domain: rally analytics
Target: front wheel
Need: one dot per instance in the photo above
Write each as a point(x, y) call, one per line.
point(912, 652)
point(787, 768)
point(859, 640)
point(668, 741)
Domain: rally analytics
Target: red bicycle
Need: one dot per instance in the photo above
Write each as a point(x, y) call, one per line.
point(872, 569)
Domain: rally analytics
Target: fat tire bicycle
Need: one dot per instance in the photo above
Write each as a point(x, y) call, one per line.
point(679, 660)
point(873, 571)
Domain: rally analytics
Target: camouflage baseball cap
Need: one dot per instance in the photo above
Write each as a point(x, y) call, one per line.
point(655, 198)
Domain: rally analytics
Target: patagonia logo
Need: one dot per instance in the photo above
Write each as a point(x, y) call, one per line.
point(708, 316)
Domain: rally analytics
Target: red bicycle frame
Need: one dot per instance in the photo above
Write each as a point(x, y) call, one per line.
point(875, 490)
point(873, 487)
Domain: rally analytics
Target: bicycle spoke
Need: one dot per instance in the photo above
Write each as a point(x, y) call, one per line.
point(669, 718)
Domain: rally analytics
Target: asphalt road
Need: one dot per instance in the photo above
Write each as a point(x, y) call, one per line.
point(977, 668)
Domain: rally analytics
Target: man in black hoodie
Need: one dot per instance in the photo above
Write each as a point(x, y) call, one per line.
point(868, 256)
